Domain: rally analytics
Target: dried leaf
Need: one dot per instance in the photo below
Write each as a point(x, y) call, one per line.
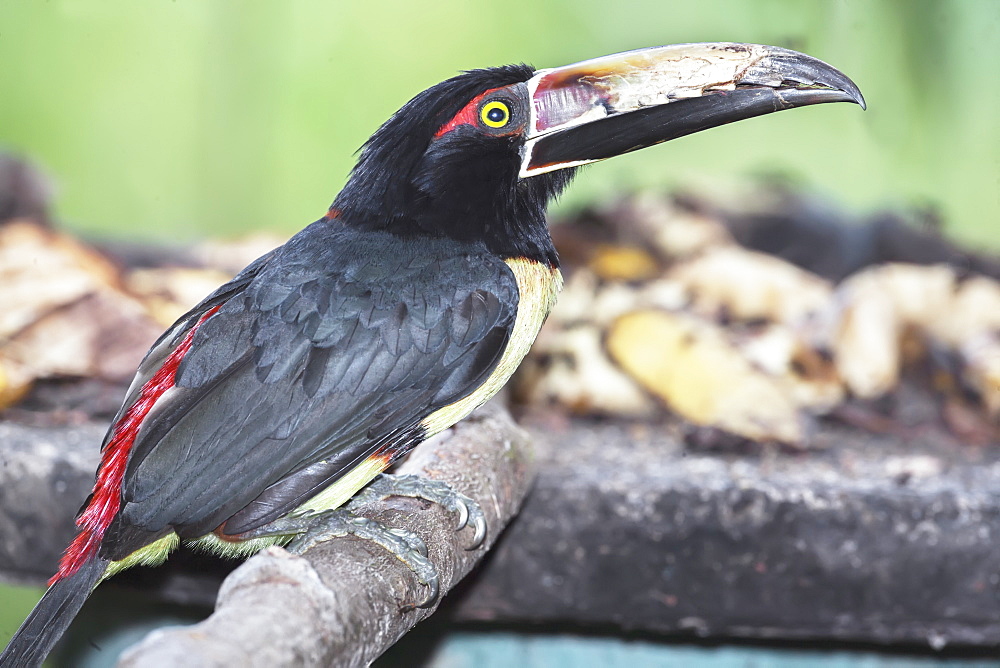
point(866, 337)
point(169, 292)
point(811, 377)
point(747, 285)
point(973, 312)
point(14, 383)
point(623, 263)
point(675, 233)
point(230, 256)
point(690, 366)
point(981, 357)
point(585, 298)
point(64, 313)
point(42, 270)
point(569, 368)
point(102, 335)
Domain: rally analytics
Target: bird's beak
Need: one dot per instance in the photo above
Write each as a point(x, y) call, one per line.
point(612, 105)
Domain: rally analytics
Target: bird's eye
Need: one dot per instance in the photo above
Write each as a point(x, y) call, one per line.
point(495, 114)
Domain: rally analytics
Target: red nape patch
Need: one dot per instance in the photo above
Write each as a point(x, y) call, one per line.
point(106, 499)
point(469, 115)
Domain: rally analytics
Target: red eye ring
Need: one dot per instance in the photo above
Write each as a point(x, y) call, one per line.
point(469, 114)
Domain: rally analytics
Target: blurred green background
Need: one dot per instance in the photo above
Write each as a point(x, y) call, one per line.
point(181, 119)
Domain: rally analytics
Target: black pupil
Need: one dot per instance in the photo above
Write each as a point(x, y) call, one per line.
point(496, 115)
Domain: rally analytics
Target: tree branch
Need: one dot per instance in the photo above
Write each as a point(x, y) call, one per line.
point(340, 602)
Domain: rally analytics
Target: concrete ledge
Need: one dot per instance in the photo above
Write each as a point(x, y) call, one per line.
point(876, 539)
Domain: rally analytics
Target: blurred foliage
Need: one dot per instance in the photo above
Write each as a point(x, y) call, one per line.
point(15, 604)
point(182, 119)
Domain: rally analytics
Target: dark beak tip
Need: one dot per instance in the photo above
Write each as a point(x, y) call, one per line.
point(842, 94)
point(850, 89)
point(797, 66)
point(858, 98)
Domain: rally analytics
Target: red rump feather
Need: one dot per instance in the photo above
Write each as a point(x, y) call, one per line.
point(106, 499)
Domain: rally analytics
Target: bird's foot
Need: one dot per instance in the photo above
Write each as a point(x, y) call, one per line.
point(435, 491)
point(310, 528)
point(314, 528)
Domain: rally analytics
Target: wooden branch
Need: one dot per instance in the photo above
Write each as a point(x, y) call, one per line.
point(340, 603)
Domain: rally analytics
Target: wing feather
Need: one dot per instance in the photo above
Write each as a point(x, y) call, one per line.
point(335, 345)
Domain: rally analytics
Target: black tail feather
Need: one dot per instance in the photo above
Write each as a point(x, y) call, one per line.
point(51, 617)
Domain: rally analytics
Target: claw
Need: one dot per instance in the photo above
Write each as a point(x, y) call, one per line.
point(463, 515)
point(434, 590)
point(387, 485)
point(413, 540)
point(480, 535)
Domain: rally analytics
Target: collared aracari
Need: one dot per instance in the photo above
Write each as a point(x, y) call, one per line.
point(409, 304)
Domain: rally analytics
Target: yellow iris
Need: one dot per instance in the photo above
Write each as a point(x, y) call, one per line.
point(495, 114)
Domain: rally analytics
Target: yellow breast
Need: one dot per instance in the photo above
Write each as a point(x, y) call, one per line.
point(537, 286)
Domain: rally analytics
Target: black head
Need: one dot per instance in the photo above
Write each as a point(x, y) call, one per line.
point(447, 163)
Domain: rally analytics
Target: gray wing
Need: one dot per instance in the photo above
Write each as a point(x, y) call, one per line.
point(336, 348)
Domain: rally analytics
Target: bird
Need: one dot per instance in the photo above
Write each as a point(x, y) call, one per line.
point(406, 306)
